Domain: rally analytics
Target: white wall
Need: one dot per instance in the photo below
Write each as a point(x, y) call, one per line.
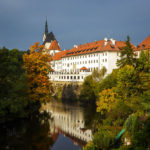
point(75, 63)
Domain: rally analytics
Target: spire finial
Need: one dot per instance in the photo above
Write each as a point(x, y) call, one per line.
point(46, 27)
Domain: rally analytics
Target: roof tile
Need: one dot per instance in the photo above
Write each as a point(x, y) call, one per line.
point(54, 45)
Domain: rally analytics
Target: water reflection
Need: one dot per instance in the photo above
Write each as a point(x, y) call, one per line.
point(63, 129)
point(26, 135)
point(68, 121)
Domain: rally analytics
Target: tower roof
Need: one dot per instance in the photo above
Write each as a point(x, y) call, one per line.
point(49, 38)
point(46, 28)
point(54, 45)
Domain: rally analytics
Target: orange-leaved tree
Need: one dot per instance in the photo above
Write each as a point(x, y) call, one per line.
point(37, 66)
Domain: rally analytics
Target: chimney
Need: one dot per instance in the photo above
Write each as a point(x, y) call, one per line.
point(75, 46)
point(105, 41)
point(113, 41)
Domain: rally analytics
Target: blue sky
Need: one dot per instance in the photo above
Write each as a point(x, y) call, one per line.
point(72, 21)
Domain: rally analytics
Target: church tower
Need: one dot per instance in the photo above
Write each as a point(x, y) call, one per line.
point(47, 37)
point(50, 42)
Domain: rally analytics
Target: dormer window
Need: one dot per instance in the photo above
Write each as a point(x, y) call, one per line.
point(143, 46)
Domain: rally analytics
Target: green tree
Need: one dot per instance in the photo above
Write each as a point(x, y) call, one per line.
point(127, 56)
point(109, 81)
point(89, 91)
point(126, 82)
point(137, 129)
point(143, 62)
point(13, 96)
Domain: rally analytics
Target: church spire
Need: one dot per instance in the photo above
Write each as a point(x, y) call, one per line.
point(46, 27)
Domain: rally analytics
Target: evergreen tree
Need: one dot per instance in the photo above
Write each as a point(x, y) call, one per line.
point(127, 56)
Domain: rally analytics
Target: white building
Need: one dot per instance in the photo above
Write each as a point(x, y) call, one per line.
point(75, 64)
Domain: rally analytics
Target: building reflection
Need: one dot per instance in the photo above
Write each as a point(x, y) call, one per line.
point(69, 121)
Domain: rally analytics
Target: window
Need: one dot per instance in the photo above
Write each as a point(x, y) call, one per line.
point(74, 77)
point(78, 77)
point(105, 60)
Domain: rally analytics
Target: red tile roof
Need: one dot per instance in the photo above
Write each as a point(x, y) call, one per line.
point(92, 47)
point(54, 46)
point(145, 44)
point(83, 68)
point(59, 55)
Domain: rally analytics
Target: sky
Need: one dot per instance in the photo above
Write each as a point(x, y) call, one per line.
point(73, 22)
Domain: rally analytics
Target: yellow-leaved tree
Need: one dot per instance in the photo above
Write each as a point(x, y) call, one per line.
point(106, 101)
point(37, 66)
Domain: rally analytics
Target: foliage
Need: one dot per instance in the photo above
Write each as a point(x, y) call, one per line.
point(143, 63)
point(127, 56)
point(98, 75)
point(126, 82)
point(89, 91)
point(106, 100)
point(124, 101)
point(89, 146)
point(103, 139)
point(13, 96)
point(109, 81)
point(37, 67)
point(138, 128)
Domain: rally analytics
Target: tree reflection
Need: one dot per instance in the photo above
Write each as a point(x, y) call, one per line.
point(27, 134)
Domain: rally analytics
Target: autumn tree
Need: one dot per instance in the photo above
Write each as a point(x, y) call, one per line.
point(106, 100)
point(127, 56)
point(37, 67)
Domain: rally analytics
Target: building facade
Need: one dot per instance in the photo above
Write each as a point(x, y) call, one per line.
point(75, 64)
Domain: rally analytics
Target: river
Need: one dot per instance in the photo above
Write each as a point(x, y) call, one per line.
point(67, 128)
